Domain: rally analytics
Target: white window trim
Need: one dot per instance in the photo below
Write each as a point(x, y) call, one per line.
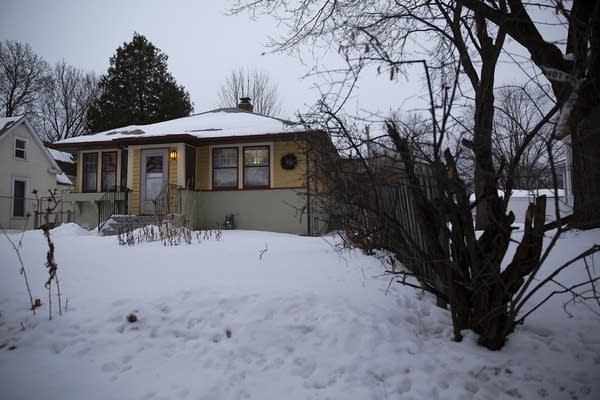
point(12, 196)
point(240, 148)
point(15, 148)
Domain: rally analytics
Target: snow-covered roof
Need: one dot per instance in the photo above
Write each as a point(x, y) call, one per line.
point(219, 123)
point(6, 122)
point(61, 156)
point(63, 179)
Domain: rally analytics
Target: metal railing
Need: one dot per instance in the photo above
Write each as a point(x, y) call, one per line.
point(35, 210)
point(166, 202)
point(111, 203)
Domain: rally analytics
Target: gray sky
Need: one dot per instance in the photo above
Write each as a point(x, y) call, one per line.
point(202, 43)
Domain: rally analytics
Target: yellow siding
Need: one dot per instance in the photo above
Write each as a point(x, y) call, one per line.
point(173, 203)
point(135, 183)
point(284, 178)
point(202, 168)
point(79, 177)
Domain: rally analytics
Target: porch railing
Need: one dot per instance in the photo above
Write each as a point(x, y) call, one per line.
point(166, 201)
point(111, 203)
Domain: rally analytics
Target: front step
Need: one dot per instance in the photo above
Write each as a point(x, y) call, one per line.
point(112, 226)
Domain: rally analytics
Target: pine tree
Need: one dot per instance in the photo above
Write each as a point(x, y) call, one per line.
point(137, 89)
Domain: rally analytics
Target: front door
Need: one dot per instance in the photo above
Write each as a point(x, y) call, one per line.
point(154, 175)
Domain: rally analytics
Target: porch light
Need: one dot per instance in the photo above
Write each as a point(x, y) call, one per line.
point(173, 154)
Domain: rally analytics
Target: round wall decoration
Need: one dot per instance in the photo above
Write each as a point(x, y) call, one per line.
point(289, 161)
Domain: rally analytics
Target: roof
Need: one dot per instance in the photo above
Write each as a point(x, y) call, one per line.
point(63, 179)
point(61, 156)
point(7, 122)
point(222, 123)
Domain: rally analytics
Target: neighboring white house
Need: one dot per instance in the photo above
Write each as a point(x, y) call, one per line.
point(520, 199)
point(25, 165)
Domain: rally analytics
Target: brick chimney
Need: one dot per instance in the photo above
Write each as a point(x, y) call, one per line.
point(245, 104)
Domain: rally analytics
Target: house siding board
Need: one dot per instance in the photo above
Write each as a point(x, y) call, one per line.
point(202, 168)
point(79, 177)
point(173, 174)
point(135, 182)
point(275, 210)
point(295, 178)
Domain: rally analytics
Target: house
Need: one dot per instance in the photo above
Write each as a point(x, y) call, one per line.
point(25, 165)
point(65, 161)
point(520, 199)
point(224, 162)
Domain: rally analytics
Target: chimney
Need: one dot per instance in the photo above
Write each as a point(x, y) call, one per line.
point(245, 104)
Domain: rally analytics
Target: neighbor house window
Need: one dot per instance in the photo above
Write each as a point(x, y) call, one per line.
point(256, 167)
point(21, 148)
point(90, 170)
point(109, 171)
point(225, 168)
point(19, 190)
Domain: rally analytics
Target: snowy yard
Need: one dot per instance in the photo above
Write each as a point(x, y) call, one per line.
point(304, 322)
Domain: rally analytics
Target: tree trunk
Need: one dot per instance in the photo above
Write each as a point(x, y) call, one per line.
point(584, 43)
point(586, 172)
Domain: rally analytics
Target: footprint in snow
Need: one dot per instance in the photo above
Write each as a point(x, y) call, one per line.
point(303, 367)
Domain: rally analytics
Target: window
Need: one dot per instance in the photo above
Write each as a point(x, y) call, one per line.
point(256, 167)
point(123, 169)
point(225, 168)
point(90, 169)
point(21, 148)
point(19, 190)
point(109, 171)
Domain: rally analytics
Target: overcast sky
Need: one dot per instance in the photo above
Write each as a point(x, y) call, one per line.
point(202, 42)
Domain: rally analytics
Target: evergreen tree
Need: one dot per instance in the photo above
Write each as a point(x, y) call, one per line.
point(137, 89)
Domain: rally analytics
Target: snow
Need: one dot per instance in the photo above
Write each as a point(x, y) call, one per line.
point(528, 194)
point(216, 320)
point(212, 124)
point(61, 156)
point(63, 179)
point(4, 121)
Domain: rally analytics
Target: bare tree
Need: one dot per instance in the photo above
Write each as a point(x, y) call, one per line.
point(460, 44)
point(518, 110)
point(257, 85)
point(383, 33)
point(61, 109)
point(22, 77)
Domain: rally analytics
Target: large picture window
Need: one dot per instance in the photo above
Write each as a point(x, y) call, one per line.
point(256, 167)
point(109, 171)
point(19, 191)
point(225, 168)
point(90, 172)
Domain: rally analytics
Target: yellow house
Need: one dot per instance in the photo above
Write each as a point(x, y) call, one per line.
point(224, 162)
